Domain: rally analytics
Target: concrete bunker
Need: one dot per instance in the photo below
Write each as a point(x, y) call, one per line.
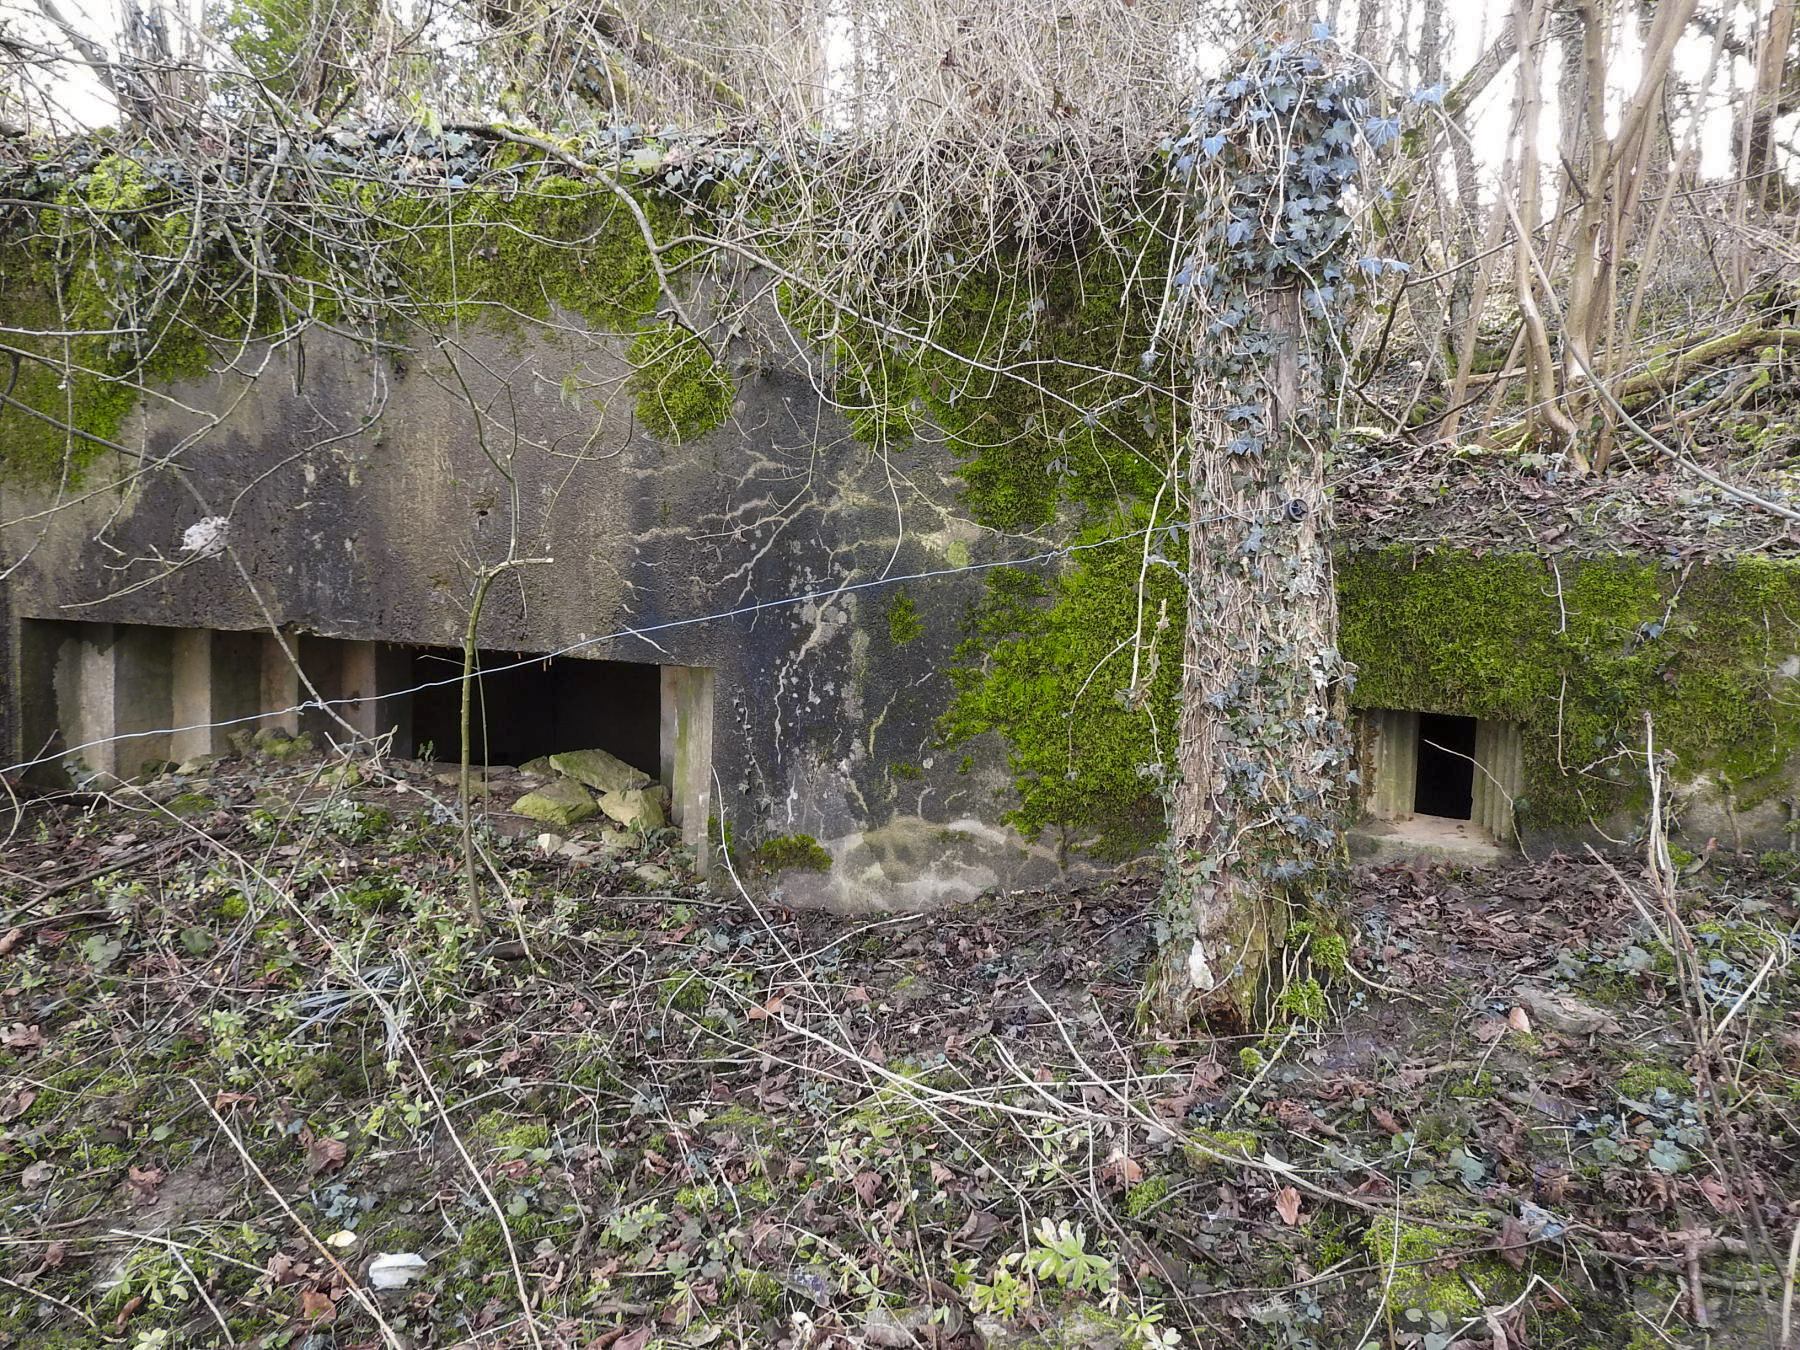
point(125, 701)
point(1439, 780)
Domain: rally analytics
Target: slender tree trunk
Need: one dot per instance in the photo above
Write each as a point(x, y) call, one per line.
point(1262, 749)
point(1761, 173)
point(1262, 758)
point(1540, 365)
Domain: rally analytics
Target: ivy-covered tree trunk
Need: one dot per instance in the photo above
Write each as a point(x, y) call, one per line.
point(1263, 754)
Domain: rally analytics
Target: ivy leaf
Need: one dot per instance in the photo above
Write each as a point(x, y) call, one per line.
point(1211, 145)
point(1381, 130)
point(1432, 95)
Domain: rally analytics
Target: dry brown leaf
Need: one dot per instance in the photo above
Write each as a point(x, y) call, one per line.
point(941, 1174)
point(979, 1228)
point(18, 1104)
point(132, 1304)
point(1518, 1020)
point(323, 1154)
point(1122, 1170)
point(1717, 1195)
point(763, 1011)
point(283, 1269)
point(865, 1184)
point(1567, 1014)
point(1287, 1205)
point(1384, 1118)
point(143, 1182)
point(1513, 1242)
point(21, 1037)
point(12, 939)
point(317, 1307)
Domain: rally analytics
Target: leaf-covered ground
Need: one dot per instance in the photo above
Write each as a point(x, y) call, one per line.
point(250, 1043)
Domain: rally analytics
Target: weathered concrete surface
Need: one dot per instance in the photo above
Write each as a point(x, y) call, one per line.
point(912, 864)
point(365, 493)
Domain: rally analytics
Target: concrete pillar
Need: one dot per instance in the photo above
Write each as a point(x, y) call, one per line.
point(279, 684)
point(1499, 765)
point(1396, 766)
point(191, 661)
point(115, 697)
point(687, 752)
point(371, 676)
point(87, 706)
point(217, 689)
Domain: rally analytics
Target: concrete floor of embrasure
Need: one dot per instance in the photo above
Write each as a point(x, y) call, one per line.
point(1438, 838)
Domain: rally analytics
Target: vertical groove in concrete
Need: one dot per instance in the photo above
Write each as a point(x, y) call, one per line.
point(236, 686)
point(42, 665)
point(1497, 772)
point(143, 697)
point(1396, 766)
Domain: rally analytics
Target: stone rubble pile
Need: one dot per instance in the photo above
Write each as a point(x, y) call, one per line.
point(580, 784)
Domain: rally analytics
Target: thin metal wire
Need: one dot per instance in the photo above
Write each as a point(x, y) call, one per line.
point(638, 631)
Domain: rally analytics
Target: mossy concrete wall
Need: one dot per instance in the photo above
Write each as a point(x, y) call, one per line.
point(934, 721)
point(361, 496)
point(1601, 662)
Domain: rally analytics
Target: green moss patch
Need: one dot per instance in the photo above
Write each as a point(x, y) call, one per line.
point(793, 852)
point(1080, 674)
point(680, 391)
point(1577, 653)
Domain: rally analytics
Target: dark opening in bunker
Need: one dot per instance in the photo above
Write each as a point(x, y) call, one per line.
point(1446, 778)
point(525, 707)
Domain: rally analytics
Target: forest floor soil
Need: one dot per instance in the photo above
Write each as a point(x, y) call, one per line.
point(255, 1052)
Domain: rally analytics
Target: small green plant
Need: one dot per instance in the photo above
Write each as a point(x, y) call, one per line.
point(1147, 1330)
point(1304, 1001)
point(1004, 1294)
point(1145, 1197)
point(628, 1225)
point(156, 1277)
point(904, 623)
point(1060, 1253)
